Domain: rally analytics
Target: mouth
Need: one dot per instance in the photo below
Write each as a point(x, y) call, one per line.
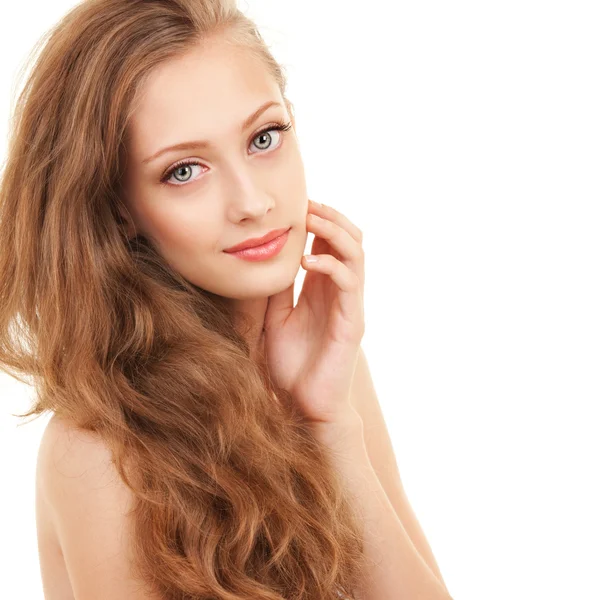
point(255, 242)
point(264, 251)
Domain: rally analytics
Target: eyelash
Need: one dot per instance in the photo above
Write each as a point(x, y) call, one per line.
point(278, 126)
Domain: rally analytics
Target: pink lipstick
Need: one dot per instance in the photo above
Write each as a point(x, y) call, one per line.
point(262, 251)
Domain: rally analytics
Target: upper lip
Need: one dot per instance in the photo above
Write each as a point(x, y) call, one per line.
point(252, 242)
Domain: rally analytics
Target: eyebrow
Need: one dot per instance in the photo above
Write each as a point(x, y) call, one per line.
point(198, 144)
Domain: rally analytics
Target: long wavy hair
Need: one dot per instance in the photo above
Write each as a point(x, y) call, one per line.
point(235, 498)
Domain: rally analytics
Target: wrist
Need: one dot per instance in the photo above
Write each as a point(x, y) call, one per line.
point(345, 432)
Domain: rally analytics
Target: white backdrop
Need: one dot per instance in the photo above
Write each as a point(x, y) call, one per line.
point(463, 138)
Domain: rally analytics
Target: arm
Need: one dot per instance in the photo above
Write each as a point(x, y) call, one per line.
point(381, 456)
point(395, 568)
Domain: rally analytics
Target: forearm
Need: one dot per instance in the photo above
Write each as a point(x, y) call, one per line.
point(381, 456)
point(395, 569)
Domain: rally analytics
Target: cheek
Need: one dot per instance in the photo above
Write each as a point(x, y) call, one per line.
point(184, 230)
point(292, 172)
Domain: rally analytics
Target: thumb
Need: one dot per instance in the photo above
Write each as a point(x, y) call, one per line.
point(279, 307)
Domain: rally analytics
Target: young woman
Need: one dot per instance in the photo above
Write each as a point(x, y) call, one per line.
point(206, 439)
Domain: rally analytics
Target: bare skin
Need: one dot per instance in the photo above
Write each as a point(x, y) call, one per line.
point(83, 530)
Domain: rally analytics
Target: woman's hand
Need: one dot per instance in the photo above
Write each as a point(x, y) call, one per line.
point(311, 349)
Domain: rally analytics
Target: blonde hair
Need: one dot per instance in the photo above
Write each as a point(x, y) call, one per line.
point(234, 496)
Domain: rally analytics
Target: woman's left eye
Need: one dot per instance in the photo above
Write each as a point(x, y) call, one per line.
point(184, 167)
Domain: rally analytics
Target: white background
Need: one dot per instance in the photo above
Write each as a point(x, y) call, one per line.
point(463, 138)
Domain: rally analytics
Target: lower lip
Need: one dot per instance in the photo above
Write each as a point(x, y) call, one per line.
point(265, 251)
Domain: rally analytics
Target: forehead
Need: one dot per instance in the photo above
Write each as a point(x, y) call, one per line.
point(203, 94)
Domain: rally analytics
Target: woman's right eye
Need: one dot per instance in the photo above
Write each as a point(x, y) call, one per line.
point(182, 171)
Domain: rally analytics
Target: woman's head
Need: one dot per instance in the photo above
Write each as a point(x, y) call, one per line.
point(112, 290)
point(194, 202)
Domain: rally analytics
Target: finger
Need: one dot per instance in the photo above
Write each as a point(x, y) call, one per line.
point(330, 213)
point(338, 238)
point(344, 278)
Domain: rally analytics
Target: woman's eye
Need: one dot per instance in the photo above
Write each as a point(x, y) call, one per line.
point(182, 172)
point(265, 137)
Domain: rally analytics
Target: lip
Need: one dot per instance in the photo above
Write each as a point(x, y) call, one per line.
point(254, 242)
point(264, 251)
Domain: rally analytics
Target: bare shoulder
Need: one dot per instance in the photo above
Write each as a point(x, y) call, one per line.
point(89, 506)
point(74, 457)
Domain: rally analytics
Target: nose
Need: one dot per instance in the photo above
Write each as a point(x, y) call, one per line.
point(247, 197)
point(250, 206)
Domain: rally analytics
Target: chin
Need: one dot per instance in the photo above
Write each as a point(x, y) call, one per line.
point(273, 279)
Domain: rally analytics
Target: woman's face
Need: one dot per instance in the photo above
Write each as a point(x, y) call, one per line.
point(242, 185)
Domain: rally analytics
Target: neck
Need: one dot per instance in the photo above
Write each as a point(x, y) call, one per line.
point(250, 318)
